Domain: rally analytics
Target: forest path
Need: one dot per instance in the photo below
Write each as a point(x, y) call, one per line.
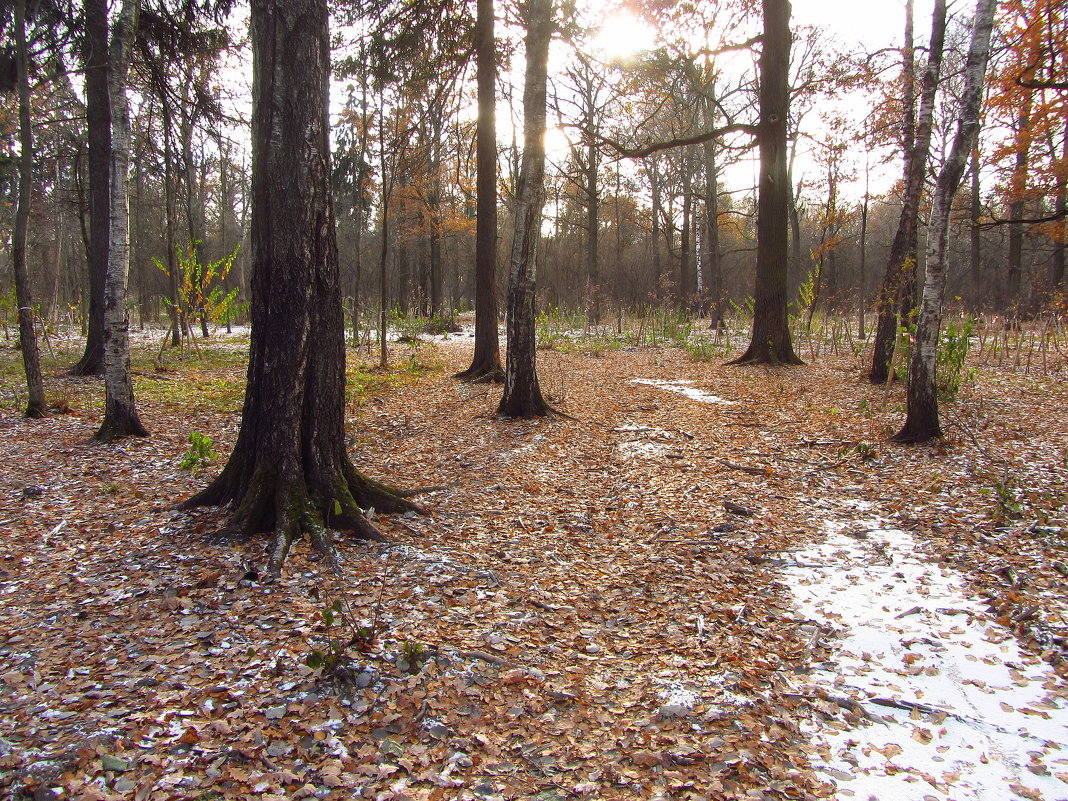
point(603, 608)
point(944, 702)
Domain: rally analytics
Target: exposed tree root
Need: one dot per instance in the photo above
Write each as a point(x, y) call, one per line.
point(481, 374)
point(915, 435)
point(765, 356)
point(290, 505)
point(112, 430)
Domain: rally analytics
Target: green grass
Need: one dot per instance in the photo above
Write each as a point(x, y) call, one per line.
point(210, 378)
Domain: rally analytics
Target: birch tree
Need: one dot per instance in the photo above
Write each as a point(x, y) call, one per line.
point(916, 143)
point(120, 412)
point(921, 423)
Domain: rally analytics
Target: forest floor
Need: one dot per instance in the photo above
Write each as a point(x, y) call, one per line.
point(717, 582)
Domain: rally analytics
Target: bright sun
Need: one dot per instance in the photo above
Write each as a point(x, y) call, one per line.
point(623, 35)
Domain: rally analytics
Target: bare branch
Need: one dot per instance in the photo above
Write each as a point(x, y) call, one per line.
point(682, 141)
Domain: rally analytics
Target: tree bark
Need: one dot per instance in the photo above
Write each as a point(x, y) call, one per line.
point(713, 278)
point(1061, 229)
point(974, 238)
point(98, 117)
point(771, 341)
point(921, 422)
point(1017, 194)
point(289, 471)
point(916, 144)
point(657, 212)
point(434, 209)
point(593, 226)
point(31, 357)
point(486, 362)
point(120, 412)
point(522, 393)
point(687, 284)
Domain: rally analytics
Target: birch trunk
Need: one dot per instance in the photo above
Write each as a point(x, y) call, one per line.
point(901, 263)
point(522, 393)
point(921, 423)
point(120, 413)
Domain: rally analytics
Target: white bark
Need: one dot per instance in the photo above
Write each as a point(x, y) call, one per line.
point(922, 421)
point(120, 415)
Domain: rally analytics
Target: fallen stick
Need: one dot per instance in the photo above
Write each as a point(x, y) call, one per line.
point(753, 471)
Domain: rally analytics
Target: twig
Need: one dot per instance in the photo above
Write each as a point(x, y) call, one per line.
point(753, 471)
point(492, 659)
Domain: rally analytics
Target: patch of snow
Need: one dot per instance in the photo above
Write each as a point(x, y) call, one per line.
point(647, 450)
point(682, 387)
point(959, 711)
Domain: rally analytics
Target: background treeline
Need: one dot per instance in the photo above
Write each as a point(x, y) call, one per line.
point(624, 230)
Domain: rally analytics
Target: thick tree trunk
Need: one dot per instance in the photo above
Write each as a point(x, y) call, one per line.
point(289, 471)
point(522, 393)
point(771, 342)
point(486, 362)
point(31, 358)
point(98, 114)
point(120, 412)
point(921, 423)
point(901, 261)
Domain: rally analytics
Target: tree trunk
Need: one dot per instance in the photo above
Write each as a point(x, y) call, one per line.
point(593, 226)
point(98, 117)
point(434, 277)
point(862, 300)
point(289, 472)
point(771, 342)
point(1017, 193)
point(686, 272)
point(383, 252)
point(921, 423)
point(974, 239)
point(917, 142)
point(522, 393)
point(178, 311)
point(31, 358)
point(712, 277)
point(1061, 230)
point(657, 211)
point(486, 362)
point(120, 412)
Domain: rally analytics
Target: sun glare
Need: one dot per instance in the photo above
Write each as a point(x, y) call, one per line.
point(557, 144)
point(624, 35)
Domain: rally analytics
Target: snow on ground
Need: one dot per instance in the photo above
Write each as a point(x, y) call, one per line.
point(958, 711)
point(683, 387)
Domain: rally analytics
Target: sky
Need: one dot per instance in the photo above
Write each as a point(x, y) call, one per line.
point(867, 26)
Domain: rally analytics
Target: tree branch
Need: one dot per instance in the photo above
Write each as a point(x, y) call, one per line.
point(682, 141)
point(997, 222)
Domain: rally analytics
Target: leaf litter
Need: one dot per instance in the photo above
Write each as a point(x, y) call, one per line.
point(569, 620)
